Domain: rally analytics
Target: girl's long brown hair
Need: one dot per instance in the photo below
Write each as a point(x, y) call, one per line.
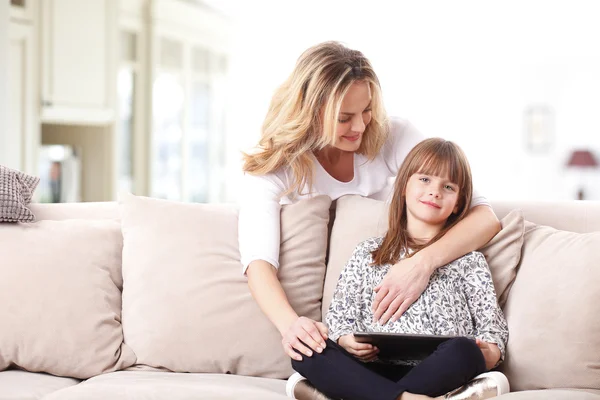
point(436, 157)
point(304, 112)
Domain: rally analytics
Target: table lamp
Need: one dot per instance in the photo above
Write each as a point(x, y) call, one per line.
point(582, 159)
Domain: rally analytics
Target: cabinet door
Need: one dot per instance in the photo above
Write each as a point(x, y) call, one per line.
point(23, 126)
point(78, 43)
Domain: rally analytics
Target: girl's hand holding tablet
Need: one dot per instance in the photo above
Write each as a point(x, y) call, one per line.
point(365, 352)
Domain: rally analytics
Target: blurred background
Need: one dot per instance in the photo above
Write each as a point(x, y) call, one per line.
point(159, 97)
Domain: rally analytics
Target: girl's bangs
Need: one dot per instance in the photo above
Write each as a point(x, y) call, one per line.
point(442, 162)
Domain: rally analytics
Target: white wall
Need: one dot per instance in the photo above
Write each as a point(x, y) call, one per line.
point(4, 148)
point(464, 70)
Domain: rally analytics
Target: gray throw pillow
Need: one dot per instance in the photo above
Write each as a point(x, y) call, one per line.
point(16, 191)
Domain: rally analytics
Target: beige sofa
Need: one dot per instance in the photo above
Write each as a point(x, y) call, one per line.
point(145, 299)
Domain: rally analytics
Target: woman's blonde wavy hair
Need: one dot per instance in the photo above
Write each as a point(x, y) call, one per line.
point(303, 114)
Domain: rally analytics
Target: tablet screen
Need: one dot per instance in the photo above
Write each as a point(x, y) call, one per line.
point(402, 346)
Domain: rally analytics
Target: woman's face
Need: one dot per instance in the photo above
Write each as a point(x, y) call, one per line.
point(355, 115)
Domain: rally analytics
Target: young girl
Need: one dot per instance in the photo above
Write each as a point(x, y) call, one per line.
point(326, 132)
point(432, 193)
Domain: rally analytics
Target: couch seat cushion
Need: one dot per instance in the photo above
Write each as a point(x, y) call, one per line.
point(136, 385)
point(553, 394)
point(22, 385)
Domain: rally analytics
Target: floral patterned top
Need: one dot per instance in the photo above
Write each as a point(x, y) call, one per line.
point(459, 300)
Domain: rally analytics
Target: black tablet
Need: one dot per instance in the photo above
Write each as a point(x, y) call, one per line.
point(402, 346)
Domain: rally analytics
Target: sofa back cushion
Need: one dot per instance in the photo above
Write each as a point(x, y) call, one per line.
point(503, 253)
point(87, 210)
point(566, 215)
point(358, 218)
point(553, 312)
point(186, 303)
point(60, 298)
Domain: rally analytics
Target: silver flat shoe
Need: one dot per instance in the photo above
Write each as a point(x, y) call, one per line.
point(299, 388)
point(484, 386)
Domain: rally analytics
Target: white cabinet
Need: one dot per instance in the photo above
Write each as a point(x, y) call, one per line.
point(78, 40)
point(23, 123)
point(137, 85)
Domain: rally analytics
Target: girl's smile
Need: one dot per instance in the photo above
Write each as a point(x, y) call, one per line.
point(430, 204)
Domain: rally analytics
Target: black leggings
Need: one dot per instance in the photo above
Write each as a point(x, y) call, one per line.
point(338, 374)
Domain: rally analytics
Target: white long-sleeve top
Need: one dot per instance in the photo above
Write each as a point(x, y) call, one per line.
point(261, 196)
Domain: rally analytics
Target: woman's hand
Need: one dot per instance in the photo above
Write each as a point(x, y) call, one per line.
point(491, 353)
point(302, 333)
point(401, 287)
point(365, 352)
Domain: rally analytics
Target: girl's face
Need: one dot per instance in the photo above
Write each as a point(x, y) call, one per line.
point(431, 199)
point(355, 115)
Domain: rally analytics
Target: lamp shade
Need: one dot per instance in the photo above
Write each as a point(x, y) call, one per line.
point(582, 158)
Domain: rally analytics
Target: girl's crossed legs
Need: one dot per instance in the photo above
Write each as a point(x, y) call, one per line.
point(338, 374)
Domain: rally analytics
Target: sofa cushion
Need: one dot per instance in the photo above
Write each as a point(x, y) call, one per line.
point(503, 253)
point(358, 218)
point(552, 312)
point(22, 385)
point(566, 215)
point(131, 385)
point(60, 291)
point(88, 210)
point(16, 191)
point(553, 394)
point(186, 303)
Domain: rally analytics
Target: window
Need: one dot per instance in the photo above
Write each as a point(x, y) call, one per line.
point(188, 130)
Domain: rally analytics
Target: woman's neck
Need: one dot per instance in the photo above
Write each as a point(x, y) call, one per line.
point(338, 163)
point(333, 156)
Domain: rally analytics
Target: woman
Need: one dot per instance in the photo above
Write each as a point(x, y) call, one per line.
point(326, 132)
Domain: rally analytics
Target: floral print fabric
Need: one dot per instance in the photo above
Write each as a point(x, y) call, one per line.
point(459, 300)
